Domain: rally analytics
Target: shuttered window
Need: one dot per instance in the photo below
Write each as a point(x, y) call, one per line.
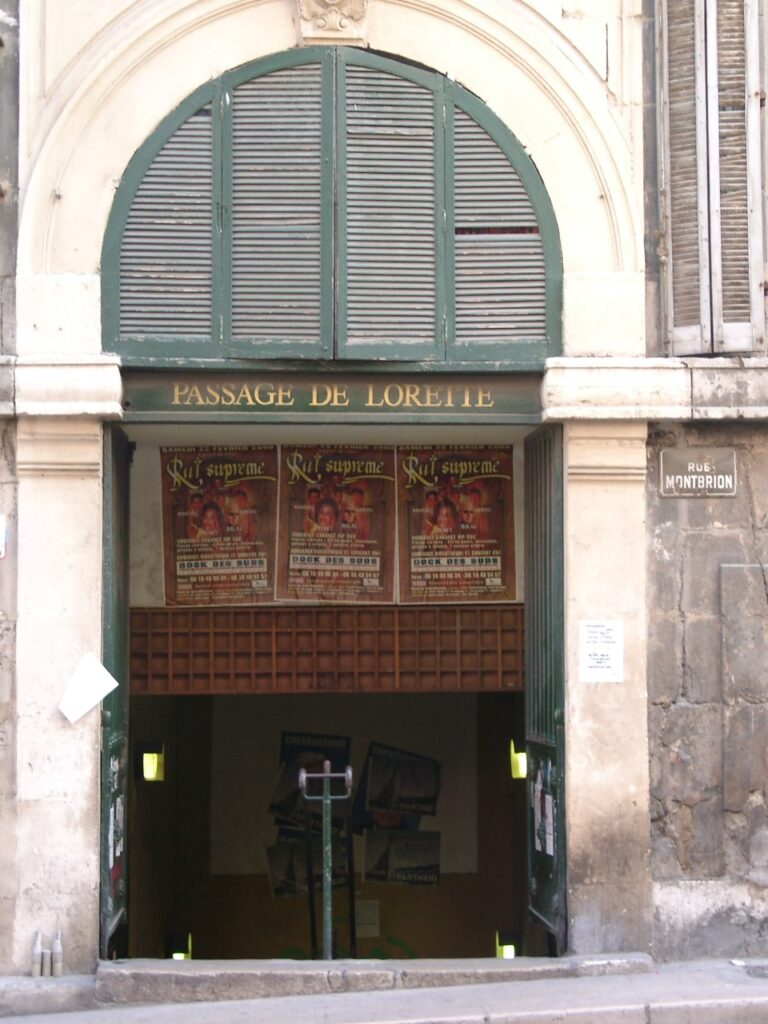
point(711, 177)
point(333, 204)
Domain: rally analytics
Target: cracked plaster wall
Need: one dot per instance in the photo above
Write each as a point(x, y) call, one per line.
point(708, 703)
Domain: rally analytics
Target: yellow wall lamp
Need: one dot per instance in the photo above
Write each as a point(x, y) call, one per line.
point(149, 761)
point(518, 762)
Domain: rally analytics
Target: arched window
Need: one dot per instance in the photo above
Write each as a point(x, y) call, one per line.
point(332, 204)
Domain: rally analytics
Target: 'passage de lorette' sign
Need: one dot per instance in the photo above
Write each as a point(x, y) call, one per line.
point(270, 397)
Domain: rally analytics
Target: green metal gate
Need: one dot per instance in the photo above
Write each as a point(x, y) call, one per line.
point(544, 681)
point(115, 765)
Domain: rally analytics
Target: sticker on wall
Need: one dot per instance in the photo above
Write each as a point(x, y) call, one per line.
point(219, 520)
point(456, 524)
point(337, 524)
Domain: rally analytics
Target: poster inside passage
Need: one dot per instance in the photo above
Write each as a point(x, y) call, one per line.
point(399, 781)
point(219, 519)
point(412, 858)
point(337, 524)
point(456, 528)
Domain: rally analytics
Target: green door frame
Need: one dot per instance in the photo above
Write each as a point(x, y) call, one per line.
point(115, 761)
point(545, 682)
point(150, 399)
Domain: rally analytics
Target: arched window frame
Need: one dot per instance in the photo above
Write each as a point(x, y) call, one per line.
point(218, 348)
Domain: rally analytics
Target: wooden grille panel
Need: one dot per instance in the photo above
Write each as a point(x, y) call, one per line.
point(322, 650)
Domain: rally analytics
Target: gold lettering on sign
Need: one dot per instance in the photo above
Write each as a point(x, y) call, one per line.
point(261, 394)
point(428, 396)
point(329, 394)
point(323, 395)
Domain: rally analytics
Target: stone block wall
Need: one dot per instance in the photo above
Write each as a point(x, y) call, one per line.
point(708, 702)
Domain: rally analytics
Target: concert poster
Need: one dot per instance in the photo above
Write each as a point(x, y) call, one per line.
point(337, 524)
point(456, 524)
point(219, 519)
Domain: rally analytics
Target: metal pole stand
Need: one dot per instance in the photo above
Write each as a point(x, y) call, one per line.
point(327, 798)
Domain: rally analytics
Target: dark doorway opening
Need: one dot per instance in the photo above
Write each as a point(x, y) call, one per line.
point(198, 839)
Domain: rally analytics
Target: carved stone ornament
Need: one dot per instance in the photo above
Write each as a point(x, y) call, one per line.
point(333, 21)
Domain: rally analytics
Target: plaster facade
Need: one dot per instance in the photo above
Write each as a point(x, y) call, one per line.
point(570, 81)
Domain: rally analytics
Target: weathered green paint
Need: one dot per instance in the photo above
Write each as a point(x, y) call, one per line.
point(392, 349)
point(550, 236)
point(115, 761)
point(291, 397)
point(272, 348)
point(544, 677)
point(166, 350)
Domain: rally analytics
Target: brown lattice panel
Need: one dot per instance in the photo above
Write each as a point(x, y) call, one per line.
point(326, 649)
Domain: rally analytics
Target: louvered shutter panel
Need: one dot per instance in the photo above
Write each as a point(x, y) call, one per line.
point(686, 176)
point(277, 185)
point(500, 271)
point(737, 299)
point(388, 219)
point(714, 232)
point(166, 255)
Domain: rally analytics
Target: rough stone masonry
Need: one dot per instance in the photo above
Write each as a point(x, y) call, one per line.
point(708, 702)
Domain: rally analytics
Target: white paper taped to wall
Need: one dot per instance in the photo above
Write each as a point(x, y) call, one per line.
point(88, 685)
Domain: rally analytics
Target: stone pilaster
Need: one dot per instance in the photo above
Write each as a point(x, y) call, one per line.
point(609, 884)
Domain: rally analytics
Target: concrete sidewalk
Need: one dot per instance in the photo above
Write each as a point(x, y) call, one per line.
point(593, 992)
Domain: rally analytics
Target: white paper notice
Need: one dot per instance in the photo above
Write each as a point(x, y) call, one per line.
point(89, 684)
point(601, 651)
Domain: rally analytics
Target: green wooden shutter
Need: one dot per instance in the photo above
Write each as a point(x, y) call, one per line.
point(500, 271)
point(388, 216)
point(332, 203)
point(166, 256)
point(277, 218)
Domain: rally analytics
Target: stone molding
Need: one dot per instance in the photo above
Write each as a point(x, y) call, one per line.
point(572, 389)
point(88, 387)
point(655, 389)
point(48, 446)
point(607, 451)
point(333, 21)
